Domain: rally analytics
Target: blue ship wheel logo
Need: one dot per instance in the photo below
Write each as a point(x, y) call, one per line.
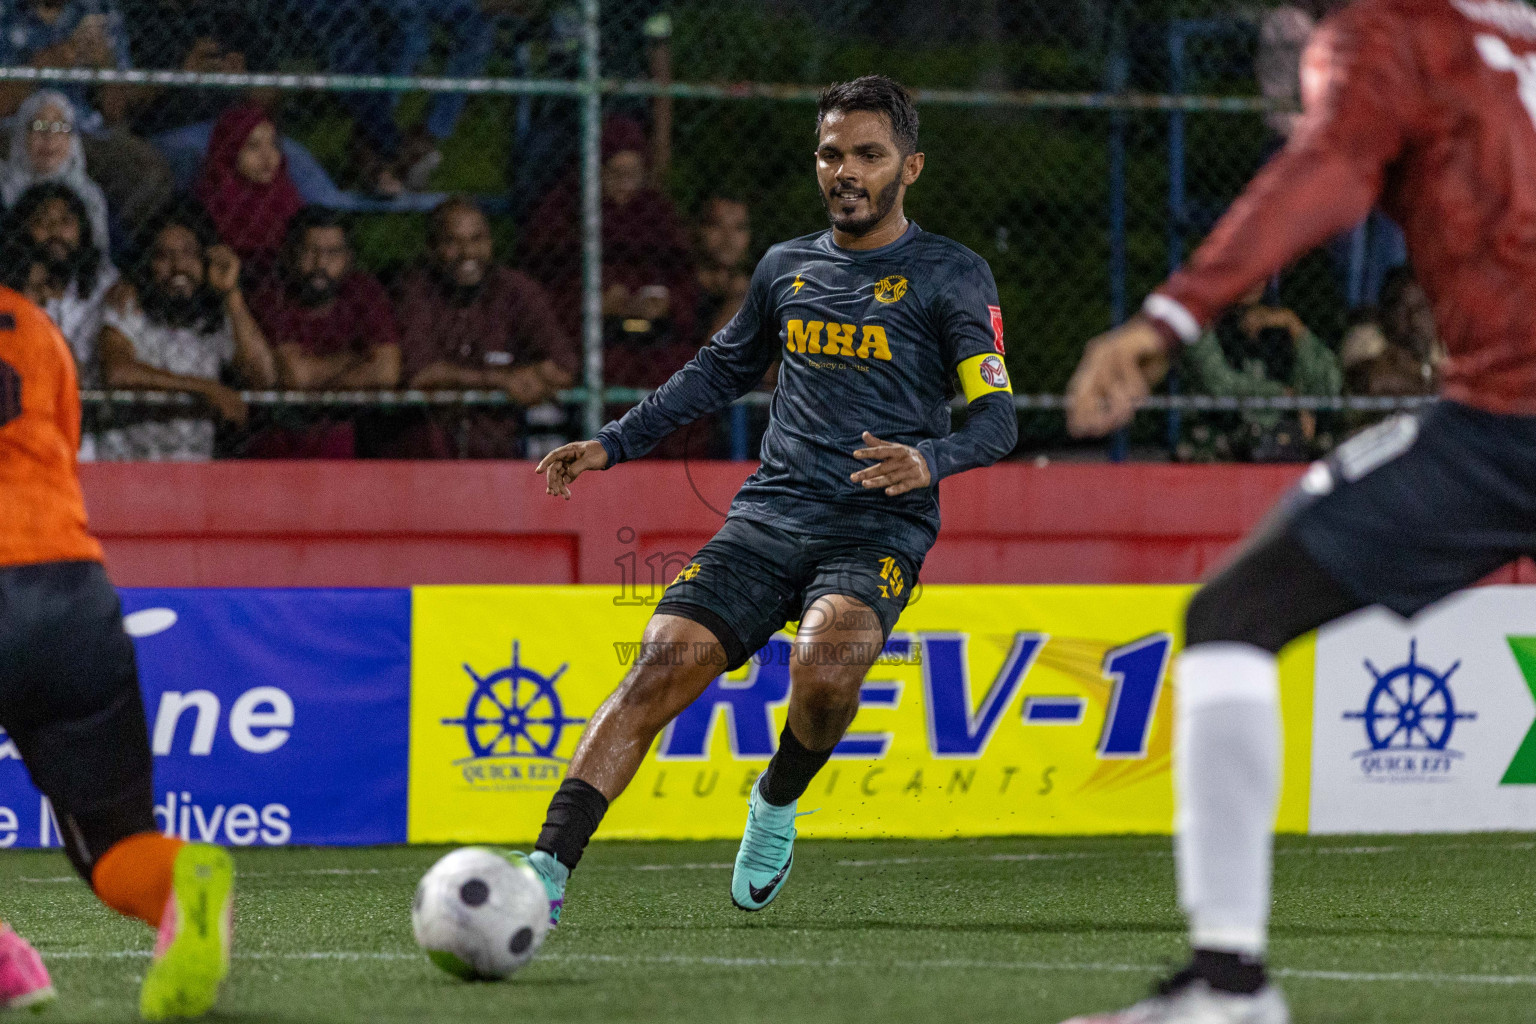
point(515, 712)
point(1410, 707)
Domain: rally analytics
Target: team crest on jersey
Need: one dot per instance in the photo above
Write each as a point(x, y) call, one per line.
point(689, 572)
point(994, 372)
point(890, 289)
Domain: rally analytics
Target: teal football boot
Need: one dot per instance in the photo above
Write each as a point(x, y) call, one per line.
point(551, 872)
point(766, 855)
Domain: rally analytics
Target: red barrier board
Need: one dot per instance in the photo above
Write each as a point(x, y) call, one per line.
point(397, 524)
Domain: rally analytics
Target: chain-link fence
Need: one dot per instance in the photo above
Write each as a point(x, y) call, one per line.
point(614, 170)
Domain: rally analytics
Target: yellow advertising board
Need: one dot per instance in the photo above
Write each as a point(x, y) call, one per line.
point(994, 711)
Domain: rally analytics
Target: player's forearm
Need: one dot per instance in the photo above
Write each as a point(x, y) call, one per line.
point(1305, 196)
point(990, 431)
point(299, 370)
point(706, 385)
point(128, 375)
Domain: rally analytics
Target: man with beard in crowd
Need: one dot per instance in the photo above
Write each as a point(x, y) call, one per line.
point(332, 328)
point(179, 327)
point(51, 227)
point(466, 322)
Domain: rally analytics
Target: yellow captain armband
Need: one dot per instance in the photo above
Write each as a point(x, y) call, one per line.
point(984, 375)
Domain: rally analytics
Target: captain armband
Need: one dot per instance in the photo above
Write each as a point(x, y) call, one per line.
point(984, 375)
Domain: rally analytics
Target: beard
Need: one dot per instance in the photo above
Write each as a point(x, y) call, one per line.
point(458, 294)
point(63, 264)
point(202, 310)
point(882, 205)
point(317, 290)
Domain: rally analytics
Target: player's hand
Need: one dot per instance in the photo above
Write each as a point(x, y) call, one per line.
point(901, 468)
point(1115, 376)
point(563, 465)
point(223, 269)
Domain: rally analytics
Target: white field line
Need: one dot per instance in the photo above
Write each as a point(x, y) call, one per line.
point(996, 858)
point(1299, 974)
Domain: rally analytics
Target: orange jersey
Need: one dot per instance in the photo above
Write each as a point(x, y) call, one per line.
point(42, 512)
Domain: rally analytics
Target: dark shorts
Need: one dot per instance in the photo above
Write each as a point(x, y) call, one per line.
point(752, 579)
point(1421, 506)
point(70, 701)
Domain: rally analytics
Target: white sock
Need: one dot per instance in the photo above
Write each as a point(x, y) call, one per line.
point(1227, 753)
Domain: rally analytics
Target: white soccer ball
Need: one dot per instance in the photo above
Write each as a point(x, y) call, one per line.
point(478, 915)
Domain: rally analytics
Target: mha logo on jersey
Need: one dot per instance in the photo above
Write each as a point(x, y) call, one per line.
point(890, 289)
point(513, 724)
point(1409, 717)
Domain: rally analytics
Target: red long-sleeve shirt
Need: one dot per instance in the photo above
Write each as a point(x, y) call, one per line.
point(1429, 108)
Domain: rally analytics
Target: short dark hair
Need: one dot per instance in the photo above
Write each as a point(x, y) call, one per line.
point(31, 203)
point(314, 218)
point(875, 93)
point(179, 215)
point(437, 220)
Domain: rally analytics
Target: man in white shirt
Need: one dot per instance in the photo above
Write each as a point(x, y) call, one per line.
point(180, 327)
point(51, 219)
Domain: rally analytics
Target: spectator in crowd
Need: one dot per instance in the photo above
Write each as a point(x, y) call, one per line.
point(180, 326)
point(21, 270)
point(724, 241)
point(201, 36)
point(45, 147)
point(649, 292)
point(469, 323)
point(51, 223)
point(331, 327)
point(648, 286)
point(245, 188)
point(89, 34)
point(65, 34)
point(546, 43)
point(1260, 351)
point(1394, 351)
point(394, 37)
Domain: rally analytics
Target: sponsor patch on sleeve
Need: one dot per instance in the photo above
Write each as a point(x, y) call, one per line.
point(984, 375)
point(996, 313)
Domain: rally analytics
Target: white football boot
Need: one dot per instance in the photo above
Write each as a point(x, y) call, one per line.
point(1186, 1001)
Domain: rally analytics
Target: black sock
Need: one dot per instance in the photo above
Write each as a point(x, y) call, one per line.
point(574, 814)
point(1229, 972)
point(791, 770)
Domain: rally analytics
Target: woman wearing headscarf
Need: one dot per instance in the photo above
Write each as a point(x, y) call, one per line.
point(245, 188)
point(45, 146)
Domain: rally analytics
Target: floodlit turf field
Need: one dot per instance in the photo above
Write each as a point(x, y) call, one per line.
point(1026, 931)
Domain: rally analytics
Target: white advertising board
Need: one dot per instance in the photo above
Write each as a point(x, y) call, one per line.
point(1427, 725)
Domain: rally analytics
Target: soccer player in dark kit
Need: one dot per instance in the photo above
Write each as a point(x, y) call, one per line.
point(69, 695)
point(1429, 107)
point(872, 321)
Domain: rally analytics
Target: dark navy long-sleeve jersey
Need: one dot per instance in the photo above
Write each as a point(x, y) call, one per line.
point(869, 340)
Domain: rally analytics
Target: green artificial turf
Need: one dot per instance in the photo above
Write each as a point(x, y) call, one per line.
point(1027, 931)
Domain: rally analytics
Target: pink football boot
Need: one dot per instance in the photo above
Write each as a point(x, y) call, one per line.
point(24, 981)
